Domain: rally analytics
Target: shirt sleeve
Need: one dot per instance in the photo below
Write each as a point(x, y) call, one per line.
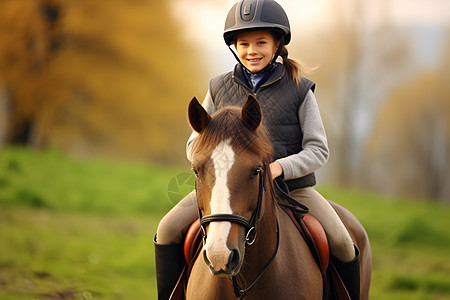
point(315, 151)
point(208, 105)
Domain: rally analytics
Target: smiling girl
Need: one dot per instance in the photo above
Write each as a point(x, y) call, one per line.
point(256, 49)
point(259, 30)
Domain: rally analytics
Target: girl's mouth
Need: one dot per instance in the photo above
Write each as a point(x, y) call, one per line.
point(254, 60)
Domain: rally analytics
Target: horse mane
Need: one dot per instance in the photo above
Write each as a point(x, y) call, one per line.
point(227, 124)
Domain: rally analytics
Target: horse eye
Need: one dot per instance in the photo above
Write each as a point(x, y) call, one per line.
point(256, 172)
point(195, 171)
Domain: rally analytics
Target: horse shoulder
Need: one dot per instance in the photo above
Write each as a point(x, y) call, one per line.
point(302, 277)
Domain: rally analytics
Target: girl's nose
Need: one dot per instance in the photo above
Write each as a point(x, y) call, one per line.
point(251, 49)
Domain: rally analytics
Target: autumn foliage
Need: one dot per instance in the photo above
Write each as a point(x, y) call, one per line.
point(91, 78)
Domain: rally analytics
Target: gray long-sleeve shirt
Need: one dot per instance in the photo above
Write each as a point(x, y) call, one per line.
point(315, 146)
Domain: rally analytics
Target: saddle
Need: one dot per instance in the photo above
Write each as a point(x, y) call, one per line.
point(192, 242)
point(316, 239)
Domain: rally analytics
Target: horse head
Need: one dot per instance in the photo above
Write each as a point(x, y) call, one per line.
point(229, 160)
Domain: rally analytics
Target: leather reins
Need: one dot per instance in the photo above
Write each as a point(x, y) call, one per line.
point(240, 292)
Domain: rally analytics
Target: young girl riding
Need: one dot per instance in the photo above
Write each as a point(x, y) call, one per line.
point(259, 30)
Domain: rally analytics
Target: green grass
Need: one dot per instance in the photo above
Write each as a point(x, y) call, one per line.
point(80, 229)
point(83, 229)
point(46, 254)
point(51, 181)
point(410, 243)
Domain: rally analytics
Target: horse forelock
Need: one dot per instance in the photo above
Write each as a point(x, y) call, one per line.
point(226, 124)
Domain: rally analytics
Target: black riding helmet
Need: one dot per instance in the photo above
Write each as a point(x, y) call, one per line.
point(248, 15)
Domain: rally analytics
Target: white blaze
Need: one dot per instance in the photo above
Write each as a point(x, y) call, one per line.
point(216, 248)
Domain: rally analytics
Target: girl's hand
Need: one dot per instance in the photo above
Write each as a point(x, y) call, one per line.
point(275, 169)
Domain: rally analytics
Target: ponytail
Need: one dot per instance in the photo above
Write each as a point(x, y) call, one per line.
point(293, 67)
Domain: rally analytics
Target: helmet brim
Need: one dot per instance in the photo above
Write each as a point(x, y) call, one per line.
point(230, 35)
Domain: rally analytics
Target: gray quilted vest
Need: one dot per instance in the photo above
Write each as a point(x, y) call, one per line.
point(280, 99)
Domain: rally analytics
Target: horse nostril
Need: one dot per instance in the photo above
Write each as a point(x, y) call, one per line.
point(233, 259)
point(205, 258)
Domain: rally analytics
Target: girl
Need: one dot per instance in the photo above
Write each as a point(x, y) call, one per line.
point(259, 31)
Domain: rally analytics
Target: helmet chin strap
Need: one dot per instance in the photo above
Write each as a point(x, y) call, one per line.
point(280, 46)
point(277, 53)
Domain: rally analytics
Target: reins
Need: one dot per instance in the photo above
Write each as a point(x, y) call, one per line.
point(241, 293)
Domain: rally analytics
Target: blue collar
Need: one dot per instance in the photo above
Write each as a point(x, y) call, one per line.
point(256, 80)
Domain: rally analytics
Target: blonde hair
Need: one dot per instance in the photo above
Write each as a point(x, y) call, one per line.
point(294, 68)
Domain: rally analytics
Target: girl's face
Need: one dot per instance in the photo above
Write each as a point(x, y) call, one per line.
point(256, 49)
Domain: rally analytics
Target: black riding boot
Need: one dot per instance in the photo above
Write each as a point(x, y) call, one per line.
point(169, 263)
point(350, 274)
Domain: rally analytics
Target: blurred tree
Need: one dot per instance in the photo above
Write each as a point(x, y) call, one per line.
point(402, 147)
point(358, 63)
point(334, 46)
point(24, 49)
point(409, 150)
point(4, 115)
point(379, 56)
point(93, 77)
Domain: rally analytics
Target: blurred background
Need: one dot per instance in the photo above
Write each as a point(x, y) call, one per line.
point(93, 100)
point(114, 79)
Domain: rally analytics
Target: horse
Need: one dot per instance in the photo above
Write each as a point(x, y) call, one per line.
point(251, 248)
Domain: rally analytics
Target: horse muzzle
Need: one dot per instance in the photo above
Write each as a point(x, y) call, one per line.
point(220, 267)
point(224, 248)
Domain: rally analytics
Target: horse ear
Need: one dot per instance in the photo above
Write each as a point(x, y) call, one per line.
point(198, 117)
point(251, 113)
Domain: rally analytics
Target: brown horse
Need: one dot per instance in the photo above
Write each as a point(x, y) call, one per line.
point(250, 248)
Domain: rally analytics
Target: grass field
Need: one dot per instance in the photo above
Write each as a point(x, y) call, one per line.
point(83, 229)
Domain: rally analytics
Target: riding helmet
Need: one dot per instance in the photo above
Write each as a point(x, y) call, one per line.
point(247, 15)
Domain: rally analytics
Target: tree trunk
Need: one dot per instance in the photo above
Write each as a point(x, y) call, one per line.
point(5, 111)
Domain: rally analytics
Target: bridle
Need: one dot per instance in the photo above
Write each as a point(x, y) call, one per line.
point(251, 230)
point(251, 225)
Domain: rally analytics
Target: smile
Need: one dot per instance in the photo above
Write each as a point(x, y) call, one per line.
point(254, 60)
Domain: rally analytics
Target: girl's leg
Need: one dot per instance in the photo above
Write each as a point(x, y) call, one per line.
point(341, 243)
point(345, 254)
point(176, 222)
point(169, 258)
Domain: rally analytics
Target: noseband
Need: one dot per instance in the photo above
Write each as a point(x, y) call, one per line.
point(250, 225)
